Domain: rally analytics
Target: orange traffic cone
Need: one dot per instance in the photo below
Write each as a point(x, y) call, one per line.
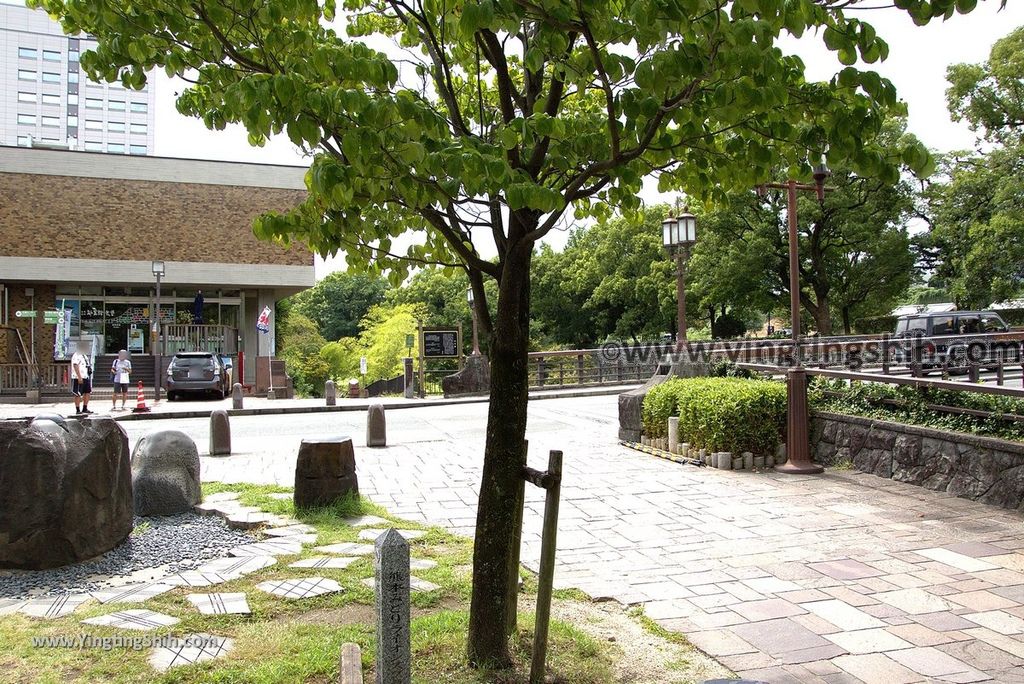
point(140, 406)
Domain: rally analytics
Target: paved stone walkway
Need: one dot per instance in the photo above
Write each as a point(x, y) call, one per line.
point(839, 578)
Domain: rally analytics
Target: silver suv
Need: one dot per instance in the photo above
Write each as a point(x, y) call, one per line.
point(198, 372)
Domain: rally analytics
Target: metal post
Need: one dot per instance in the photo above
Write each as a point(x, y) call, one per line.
point(798, 452)
point(422, 373)
point(999, 373)
point(973, 371)
point(885, 356)
point(157, 383)
point(794, 270)
point(681, 255)
point(545, 579)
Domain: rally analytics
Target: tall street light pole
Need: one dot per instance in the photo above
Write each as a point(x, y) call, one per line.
point(158, 271)
point(798, 450)
point(678, 234)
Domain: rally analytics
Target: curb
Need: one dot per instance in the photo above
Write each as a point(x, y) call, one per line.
point(283, 410)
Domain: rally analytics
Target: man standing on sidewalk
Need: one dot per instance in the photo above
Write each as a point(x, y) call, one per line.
point(81, 379)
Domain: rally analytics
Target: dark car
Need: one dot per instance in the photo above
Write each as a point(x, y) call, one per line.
point(954, 338)
point(196, 372)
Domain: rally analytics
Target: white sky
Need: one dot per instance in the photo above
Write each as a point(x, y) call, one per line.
point(917, 63)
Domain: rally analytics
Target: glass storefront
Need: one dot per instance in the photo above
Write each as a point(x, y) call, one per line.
point(120, 317)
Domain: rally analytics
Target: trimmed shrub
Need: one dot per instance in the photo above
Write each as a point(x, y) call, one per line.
point(719, 414)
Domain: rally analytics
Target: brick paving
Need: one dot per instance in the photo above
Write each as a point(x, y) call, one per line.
point(837, 578)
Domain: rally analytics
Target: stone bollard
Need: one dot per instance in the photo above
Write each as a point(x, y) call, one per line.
point(330, 393)
point(673, 434)
point(724, 460)
point(325, 471)
point(391, 570)
point(236, 397)
point(759, 462)
point(684, 450)
point(220, 433)
point(376, 428)
point(737, 462)
point(748, 460)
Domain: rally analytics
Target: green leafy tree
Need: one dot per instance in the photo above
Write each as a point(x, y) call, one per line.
point(383, 339)
point(337, 302)
point(489, 120)
point(300, 345)
point(442, 292)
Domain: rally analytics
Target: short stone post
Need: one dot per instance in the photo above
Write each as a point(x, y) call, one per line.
point(748, 460)
point(376, 428)
point(391, 564)
point(220, 433)
point(673, 434)
point(410, 385)
point(236, 397)
point(330, 393)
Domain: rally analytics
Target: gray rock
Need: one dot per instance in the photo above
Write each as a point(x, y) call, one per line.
point(325, 471)
point(65, 491)
point(376, 426)
point(220, 433)
point(474, 378)
point(165, 474)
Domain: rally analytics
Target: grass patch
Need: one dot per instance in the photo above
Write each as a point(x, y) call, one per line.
point(657, 630)
point(299, 641)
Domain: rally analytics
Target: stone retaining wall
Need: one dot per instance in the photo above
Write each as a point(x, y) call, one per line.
point(982, 469)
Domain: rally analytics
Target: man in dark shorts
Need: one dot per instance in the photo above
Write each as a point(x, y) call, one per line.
point(81, 379)
point(121, 372)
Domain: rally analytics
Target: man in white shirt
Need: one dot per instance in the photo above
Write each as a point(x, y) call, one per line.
point(121, 372)
point(81, 379)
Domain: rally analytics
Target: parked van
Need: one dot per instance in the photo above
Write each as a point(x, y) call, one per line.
point(967, 330)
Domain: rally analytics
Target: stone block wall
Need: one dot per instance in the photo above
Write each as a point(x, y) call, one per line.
point(982, 469)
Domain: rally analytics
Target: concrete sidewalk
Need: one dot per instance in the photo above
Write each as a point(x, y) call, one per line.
point(256, 406)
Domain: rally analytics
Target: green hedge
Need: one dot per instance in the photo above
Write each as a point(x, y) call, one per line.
point(719, 414)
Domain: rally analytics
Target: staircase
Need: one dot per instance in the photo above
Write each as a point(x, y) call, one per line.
point(143, 367)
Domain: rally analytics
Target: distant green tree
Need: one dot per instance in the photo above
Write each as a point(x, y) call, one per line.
point(300, 343)
point(337, 302)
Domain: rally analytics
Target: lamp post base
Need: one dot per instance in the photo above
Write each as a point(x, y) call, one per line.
point(799, 468)
point(798, 450)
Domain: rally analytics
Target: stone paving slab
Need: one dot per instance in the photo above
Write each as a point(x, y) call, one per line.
point(138, 619)
point(415, 584)
point(364, 520)
point(277, 547)
point(232, 603)
point(8, 606)
point(53, 606)
point(131, 593)
point(289, 530)
point(421, 564)
point(346, 548)
point(192, 648)
point(372, 534)
point(237, 566)
point(194, 578)
point(300, 588)
point(336, 562)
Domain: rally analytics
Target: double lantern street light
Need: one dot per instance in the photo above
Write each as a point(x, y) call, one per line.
point(155, 344)
point(678, 233)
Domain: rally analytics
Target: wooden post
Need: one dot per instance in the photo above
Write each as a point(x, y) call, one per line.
point(350, 670)
point(422, 374)
point(999, 373)
point(545, 580)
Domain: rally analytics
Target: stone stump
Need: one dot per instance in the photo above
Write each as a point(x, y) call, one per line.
point(325, 471)
point(165, 474)
point(65, 491)
point(330, 393)
point(376, 427)
point(236, 397)
point(220, 433)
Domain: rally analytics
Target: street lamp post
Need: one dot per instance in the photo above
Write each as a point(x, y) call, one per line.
point(798, 451)
point(158, 271)
point(472, 310)
point(678, 234)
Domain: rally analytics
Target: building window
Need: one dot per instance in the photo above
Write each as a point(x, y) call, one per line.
point(139, 128)
point(116, 105)
point(50, 121)
point(73, 99)
point(26, 75)
point(115, 126)
point(26, 97)
point(91, 146)
point(72, 55)
point(24, 141)
point(50, 77)
point(51, 55)
point(27, 119)
point(27, 53)
point(137, 149)
point(72, 121)
point(93, 103)
point(140, 107)
point(73, 77)
point(117, 148)
point(50, 99)
point(93, 125)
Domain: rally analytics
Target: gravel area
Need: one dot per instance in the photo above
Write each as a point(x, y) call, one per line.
point(172, 543)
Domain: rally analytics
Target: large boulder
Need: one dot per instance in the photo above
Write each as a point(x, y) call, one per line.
point(165, 474)
point(474, 378)
point(65, 491)
point(325, 471)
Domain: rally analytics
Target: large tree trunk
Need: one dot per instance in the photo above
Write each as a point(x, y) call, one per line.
point(495, 552)
point(823, 315)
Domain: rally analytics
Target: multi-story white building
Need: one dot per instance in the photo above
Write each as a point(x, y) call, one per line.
point(46, 99)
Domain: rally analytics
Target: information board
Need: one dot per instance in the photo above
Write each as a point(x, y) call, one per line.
point(440, 343)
